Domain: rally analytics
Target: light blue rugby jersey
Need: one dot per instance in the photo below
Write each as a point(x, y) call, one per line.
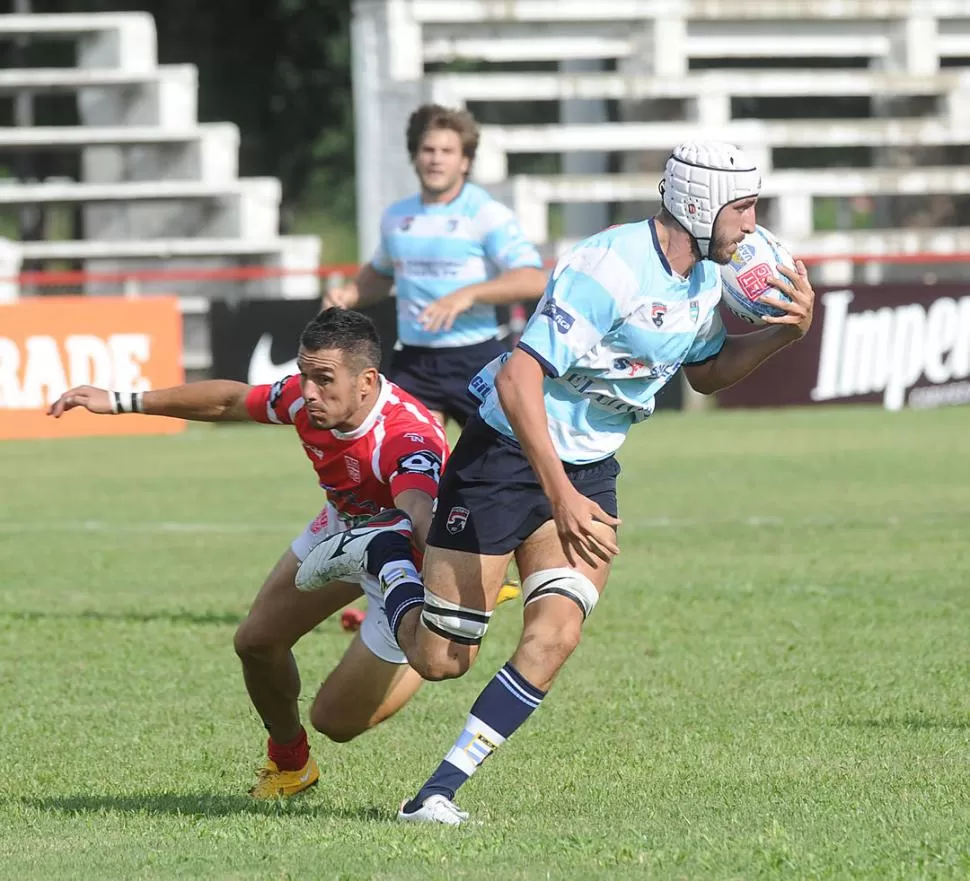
point(612, 328)
point(435, 249)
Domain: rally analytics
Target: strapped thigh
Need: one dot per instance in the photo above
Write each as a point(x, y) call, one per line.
point(561, 582)
point(452, 621)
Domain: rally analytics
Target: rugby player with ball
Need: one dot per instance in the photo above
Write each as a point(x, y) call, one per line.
point(533, 474)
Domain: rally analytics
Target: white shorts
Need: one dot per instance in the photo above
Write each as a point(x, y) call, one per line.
point(375, 631)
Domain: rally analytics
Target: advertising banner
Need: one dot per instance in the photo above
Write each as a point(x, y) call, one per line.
point(897, 345)
point(255, 341)
point(49, 344)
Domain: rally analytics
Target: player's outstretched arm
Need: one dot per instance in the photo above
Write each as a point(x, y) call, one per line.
point(743, 353)
point(216, 400)
point(519, 387)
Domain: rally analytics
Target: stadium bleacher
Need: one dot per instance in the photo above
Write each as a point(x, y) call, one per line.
point(694, 69)
point(157, 186)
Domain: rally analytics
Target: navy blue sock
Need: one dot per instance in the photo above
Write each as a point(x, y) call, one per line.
point(502, 707)
point(390, 559)
point(388, 547)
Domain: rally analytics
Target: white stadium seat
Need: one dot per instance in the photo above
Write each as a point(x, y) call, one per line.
point(157, 189)
point(757, 136)
point(246, 207)
point(460, 88)
point(151, 173)
point(677, 71)
point(531, 195)
point(52, 137)
point(161, 249)
point(72, 79)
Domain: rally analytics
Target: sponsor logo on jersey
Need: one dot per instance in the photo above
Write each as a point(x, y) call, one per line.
point(316, 451)
point(630, 365)
point(425, 462)
point(562, 319)
point(318, 525)
point(432, 269)
point(276, 392)
point(343, 499)
point(353, 468)
point(658, 311)
point(480, 387)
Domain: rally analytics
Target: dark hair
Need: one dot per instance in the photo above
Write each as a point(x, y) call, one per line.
point(351, 332)
point(429, 117)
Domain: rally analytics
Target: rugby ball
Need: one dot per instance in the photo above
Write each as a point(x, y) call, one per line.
point(745, 278)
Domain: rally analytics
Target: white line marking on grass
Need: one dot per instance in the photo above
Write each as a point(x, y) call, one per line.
point(825, 522)
point(159, 527)
point(148, 528)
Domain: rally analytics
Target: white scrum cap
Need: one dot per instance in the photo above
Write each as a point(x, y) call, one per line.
point(700, 179)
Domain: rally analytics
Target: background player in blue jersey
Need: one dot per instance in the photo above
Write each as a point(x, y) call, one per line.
point(534, 474)
point(453, 253)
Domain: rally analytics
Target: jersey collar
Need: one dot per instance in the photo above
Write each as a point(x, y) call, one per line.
point(372, 417)
point(441, 207)
point(663, 257)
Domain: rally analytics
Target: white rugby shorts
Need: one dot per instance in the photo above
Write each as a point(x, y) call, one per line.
point(375, 631)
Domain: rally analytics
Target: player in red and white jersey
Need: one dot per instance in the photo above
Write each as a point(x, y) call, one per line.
point(373, 447)
point(394, 449)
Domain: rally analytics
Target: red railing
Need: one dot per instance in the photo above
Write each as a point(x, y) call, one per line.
point(41, 278)
point(77, 278)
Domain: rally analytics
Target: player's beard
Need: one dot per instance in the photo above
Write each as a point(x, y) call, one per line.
point(326, 419)
point(721, 251)
point(348, 419)
point(319, 421)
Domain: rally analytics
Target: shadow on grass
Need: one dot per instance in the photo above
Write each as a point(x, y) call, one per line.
point(199, 805)
point(130, 616)
point(911, 722)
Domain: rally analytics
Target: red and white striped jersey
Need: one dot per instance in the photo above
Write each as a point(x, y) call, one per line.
point(399, 446)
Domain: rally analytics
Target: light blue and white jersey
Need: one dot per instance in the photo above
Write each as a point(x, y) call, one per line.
point(435, 249)
point(614, 325)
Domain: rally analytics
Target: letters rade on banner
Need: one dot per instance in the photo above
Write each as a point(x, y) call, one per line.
point(50, 344)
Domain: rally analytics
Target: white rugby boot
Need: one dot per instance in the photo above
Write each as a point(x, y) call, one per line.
point(345, 554)
point(435, 809)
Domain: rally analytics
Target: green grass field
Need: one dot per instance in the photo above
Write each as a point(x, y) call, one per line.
point(774, 686)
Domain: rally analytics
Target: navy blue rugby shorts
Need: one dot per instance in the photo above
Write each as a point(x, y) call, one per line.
point(439, 378)
point(489, 500)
